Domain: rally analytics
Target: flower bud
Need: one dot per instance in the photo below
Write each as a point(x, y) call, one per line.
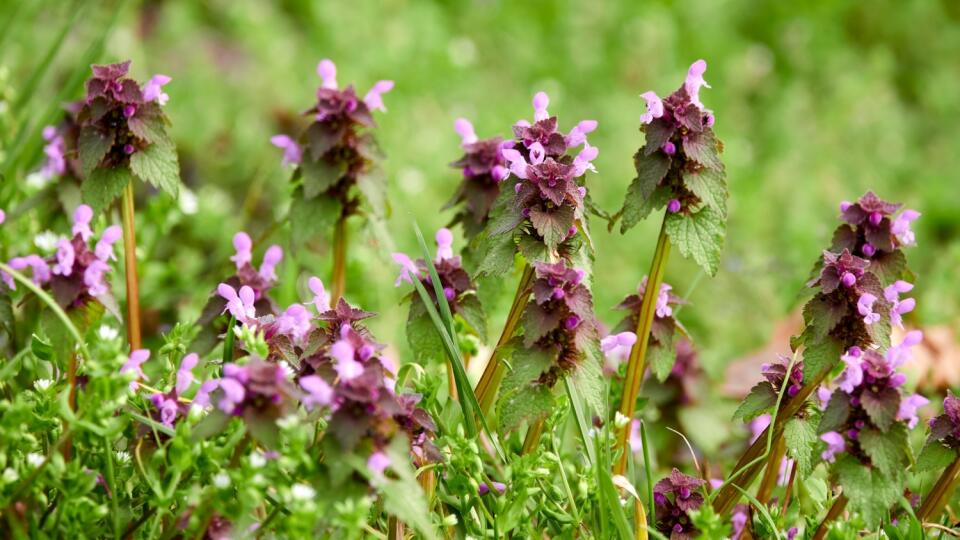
point(673, 206)
point(876, 218)
point(848, 279)
point(669, 148)
point(868, 250)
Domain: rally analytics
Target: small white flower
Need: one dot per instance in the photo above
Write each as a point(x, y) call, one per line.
point(46, 241)
point(620, 420)
point(38, 180)
point(107, 333)
point(221, 480)
point(302, 492)
point(257, 460)
point(10, 475)
point(34, 459)
point(42, 384)
point(188, 201)
point(123, 457)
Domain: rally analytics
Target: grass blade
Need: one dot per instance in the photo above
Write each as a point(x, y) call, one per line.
point(583, 424)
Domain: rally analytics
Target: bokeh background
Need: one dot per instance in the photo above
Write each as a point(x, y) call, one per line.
point(815, 102)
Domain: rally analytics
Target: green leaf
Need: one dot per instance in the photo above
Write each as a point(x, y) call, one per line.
point(319, 176)
point(150, 125)
point(855, 480)
point(496, 254)
point(710, 186)
point(92, 146)
point(699, 235)
point(158, 165)
point(661, 358)
point(934, 456)
point(886, 450)
point(532, 248)
point(761, 398)
point(425, 342)
point(471, 310)
point(640, 195)
point(402, 495)
point(588, 380)
point(870, 492)
point(702, 147)
point(889, 266)
point(310, 218)
point(538, 322)
point(525, 366)
point(822, 315)
point(820, 357)
point(525, 404)
point(881, 406)
point(373, 185)
point(836, 414)
point(554, 225)
point(801, 441)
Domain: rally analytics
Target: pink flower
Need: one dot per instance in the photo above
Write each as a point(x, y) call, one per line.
point(153, 90)
point(464, 128)
point(346, 365)
point(900, 354)
point(899, 308)
point(865, 307)
point(167, 408)
point(378, 463)
point(38, 266)
point(616, 349)
point(578, 135)
point(582, 163)
point(93, 278)
point(291, 150)
point(104, 248)
point(908, 409)
point(757, 425)
point(65, 258)
point(695, 81)
point(444, 244)
point(295, 323)
point(518, 165)
point(185, 373)
point(240, 305)
point(3, 217)
point(852, 376)
point(663, 298)
point(636, 437)
point(54, 150)
point(327, 71)
point(321, 298)
point(271, 259)
point(233, 394)
point(134, 363)
point(540, 103)
point(823, 396)
point(654, 107)
point(374, 98)
point(319, 393)
point(408, 270)
point(243, 245)
point(901, 227)
point(202, 397)
point(81, 222)
point(835, 445)
point(499, 487)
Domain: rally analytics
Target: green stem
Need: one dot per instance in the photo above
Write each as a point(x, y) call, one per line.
point(339, 277)
point(934, 502)
point(130, 267)
point(532, 440)
point(638, 354)
point(111, 482)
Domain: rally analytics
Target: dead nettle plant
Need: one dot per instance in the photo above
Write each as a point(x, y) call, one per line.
point(679, 169)
point(336, 174)
point(856, 288)
point(540, 215)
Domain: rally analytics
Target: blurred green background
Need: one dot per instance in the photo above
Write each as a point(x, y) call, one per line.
point(816, 102)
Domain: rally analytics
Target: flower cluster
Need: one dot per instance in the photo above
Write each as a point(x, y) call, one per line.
point(673, 498)
point(661, 346)
point(873, 228)
point(549, 191)
point(454, 279)
point(244, 294)
point(484, 168)
point(334, 156)
point(868, 397)
point(76, 273)
point(169, 405)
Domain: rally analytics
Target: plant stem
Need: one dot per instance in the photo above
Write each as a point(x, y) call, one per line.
point(493, 374)
point(640, 520)
point(638, 354)
point(71, 401)
point(772, 471)
point(130, 265)
point(532, 440)
point(339, 260)
point(834, 513)
point(394, 528)
point(934, 502)
point(790, 481)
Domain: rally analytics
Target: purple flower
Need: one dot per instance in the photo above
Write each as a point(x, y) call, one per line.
point(185, 373)
point(374, 98)
point(464, 128)
point(582, 163)
point(901, 227)
point(499, 487)
point(134, 363)
point(578, 135)
point(865, 307)
point(654, 107)
point(240, 305)
point(321, 298)
point(233, 393)
point(695, 81)
point(167, 407)
point(292, 154)
point(244, 247)
point(38, 266)
point(271, 258)
point(738, 521)
point(900, 354)
point(757, 425)
point(153, 90)
point(81, 222)
point(673, 206)
point(377, 463)
point(55, 149)
point(104, 248)
point(835, 445)
point(616, 349)
point(823, 396)
point(444, 244)
point(669, 149)
point(899, 308)
point(3, 217)
point(202, 397)
point(343, 352)
point(408, 270)
point(295, 323)
point(93, 278)
point(327, 71)
point(792, 533)
point(319, 393)
point(908, 409)
point(65, 258)
point(852, 376)
point(540, 103)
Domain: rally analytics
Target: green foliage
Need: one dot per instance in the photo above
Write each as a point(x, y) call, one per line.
point(699, 235)
point(312, 218)
point(640, 199)
point(820, 356)
point(762, 398)
point(935, 456)
point(158, 165)
point(801, 441)
point(92, 146)
point(661, 358)
point(869, 491)
point(104, 185)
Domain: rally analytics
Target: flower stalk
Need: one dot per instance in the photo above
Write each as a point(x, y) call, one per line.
point(637, 362)
point(339, 260)
point(486, 389)
point(532, 439)
point(838, 506)
point(130, 267)
point(933, 504)
point(772, 471)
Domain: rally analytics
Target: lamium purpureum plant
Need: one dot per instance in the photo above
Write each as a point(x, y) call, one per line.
point(484, 168)
point(336, 173)
point(678, 168)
